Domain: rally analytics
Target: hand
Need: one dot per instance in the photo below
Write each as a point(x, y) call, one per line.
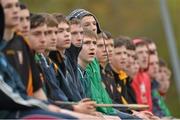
point(85, 106)
point(89, 102)
point(147, 113)
point(140, 115)
point(53, 108)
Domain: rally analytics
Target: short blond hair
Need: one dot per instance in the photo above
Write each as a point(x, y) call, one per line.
point(50, 20)
point(60, 18)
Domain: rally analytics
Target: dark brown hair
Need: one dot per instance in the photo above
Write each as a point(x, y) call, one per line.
point(37, 20)
point(75, 21)
point(162, 62)
point(121, 41)
point(108, 34)
point(23, 6)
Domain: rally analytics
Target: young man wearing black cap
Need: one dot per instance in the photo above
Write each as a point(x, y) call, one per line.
point(87, 19)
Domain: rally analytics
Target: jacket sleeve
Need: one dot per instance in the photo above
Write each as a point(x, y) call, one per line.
point(13, 100)
point(6, 103)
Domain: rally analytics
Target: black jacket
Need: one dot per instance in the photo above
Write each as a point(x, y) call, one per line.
point(21, 57)
point(12, 91)
point(72, 54)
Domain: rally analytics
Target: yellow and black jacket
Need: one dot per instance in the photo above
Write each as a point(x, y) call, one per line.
point(21, 57)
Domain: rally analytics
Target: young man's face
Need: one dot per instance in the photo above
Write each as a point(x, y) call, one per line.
point(63, 36)
point(142, 56)
point(90, 23)
point(88, 51)
point(51, 38)
point(130, 59)
point(110, 48)
point(134, 67)
point(24, 25)
point(153, 65)
point(164, 72)
point(101, 52)
point(119, 58)
point(164, 79)
point(37, 38)
point(77, 35)
point(11, 10)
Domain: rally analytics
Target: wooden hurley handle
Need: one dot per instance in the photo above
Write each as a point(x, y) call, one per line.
point(128, 106)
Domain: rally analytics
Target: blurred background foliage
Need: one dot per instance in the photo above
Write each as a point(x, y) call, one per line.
point(126, 17)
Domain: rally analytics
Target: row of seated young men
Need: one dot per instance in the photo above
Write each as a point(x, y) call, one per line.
point(50, 58)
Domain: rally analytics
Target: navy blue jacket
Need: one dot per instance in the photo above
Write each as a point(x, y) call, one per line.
point(69, 83)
